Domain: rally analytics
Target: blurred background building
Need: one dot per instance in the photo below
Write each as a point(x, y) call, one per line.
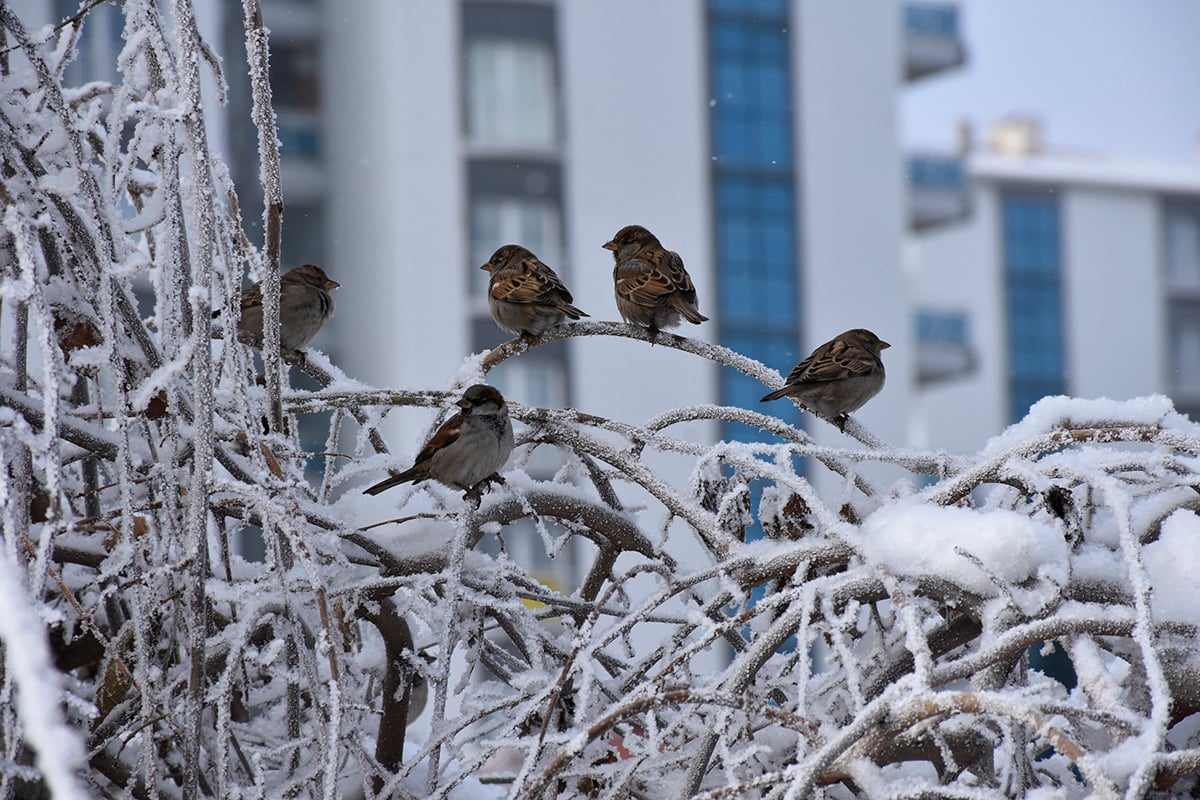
point(1080, 275)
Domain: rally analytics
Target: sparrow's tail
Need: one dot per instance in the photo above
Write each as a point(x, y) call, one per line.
point(688, 310)
point(387, 483)
point(775, 395)
point(572, 312)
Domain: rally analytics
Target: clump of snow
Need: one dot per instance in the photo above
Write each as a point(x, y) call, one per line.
point(968, 547)
point(1057, 412)
point(1098, 563)
point(1127, 757)
point(64, 182)
point(1172, 564)
point(418, 539)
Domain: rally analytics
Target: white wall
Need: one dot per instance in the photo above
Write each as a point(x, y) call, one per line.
point(1113, 293)
point(395, 177)
point(852, 204)
point(637, 152)
point(960, 270)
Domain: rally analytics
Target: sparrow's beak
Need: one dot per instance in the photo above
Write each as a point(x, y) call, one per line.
point(331, 284)
point(487, 266)
point(883, 345)
point(610, 246)
point(464, 404)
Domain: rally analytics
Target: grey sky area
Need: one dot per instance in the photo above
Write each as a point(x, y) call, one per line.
point(1108, 77)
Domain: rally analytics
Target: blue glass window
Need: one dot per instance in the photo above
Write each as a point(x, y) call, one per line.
point(758, 295)
point(937, 172)
point(937, 19)
point(298, 138)
point(943, 327)
point(750, 84)
point(774, 8)
point(1033, 298)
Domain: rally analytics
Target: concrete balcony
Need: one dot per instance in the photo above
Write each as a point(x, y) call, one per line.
point(932, 39)
point(939, 191)
point(944, 350)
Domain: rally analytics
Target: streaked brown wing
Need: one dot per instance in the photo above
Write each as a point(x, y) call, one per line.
point(798, 371)
point(675, 274)
point(531, 283)
point(446, 435)
point(642, 283)
point(834, 361)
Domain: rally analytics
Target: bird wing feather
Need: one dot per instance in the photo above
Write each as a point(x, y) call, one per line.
point(529, 283)
point(833, 362)
point(646, 281)
point(447, 434)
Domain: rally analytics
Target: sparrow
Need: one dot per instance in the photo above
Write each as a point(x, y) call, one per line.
point(839, 377)
point(468, 449)
point(304, 306)
point(652, 287)
point(525, 296)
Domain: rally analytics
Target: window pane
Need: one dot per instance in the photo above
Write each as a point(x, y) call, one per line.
point(1183, 246)
point(758, 288)
point(751, 89)
point(510, 92)
point(299, 135)
point(1033, 299)
point(1184, 334)
point(295, 76)
point(761, 8)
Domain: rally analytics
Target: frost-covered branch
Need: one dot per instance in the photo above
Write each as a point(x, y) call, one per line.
point(201, 605)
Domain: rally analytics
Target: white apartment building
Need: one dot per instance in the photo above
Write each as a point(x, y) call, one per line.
point(1080, 275)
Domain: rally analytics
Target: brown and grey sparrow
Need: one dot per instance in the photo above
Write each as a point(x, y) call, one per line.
point(304, 306)
point(839, 377)
point(652, 287)
point(525, 296)
point(468, 449)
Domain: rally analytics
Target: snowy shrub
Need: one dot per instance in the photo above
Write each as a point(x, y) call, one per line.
point(731, 634)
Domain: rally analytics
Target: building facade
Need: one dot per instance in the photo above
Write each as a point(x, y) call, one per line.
point(758, 140)
point(1080, 276)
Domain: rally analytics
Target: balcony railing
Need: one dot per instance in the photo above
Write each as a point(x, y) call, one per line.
point(937, 172)
point(939, 191)
point(932, 39)
point(926, 19)
point(944, 350)
point(942, 327)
